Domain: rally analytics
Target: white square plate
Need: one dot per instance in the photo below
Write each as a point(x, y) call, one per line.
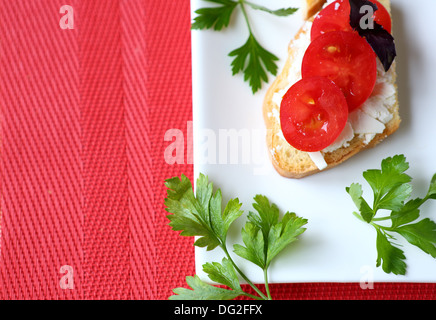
point(336, 246)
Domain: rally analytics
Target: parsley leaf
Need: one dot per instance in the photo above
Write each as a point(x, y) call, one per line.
point(254, 245)
point(421, 234)
point(265, 235)
point(258, 58)
point(432, 190)
point(215, 17)
point(252, 59)
point(392, 189)
point(266, 216)
point(284, 233)
point(201, 215)
point(391, 256)
point(280, 12)
point(355, 191)
point(407, 214)
point(203, 291)
point(223, 273)
point(386, 182)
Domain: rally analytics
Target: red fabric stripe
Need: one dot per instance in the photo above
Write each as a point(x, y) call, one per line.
point(105, 180)
point(170, 102)
point(41, 203)
point(140, 173)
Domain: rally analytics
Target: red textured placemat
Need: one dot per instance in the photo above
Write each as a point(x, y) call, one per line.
point(84, 113)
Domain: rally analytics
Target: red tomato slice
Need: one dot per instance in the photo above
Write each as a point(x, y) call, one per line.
point(336, 17)
point(346, 59)
point(313, 114)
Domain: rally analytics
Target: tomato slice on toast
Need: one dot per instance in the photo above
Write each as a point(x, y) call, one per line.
point(346, 59)
point(336, 17)
point(313, 114)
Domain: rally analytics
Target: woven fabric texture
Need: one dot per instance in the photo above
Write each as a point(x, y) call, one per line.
point(84, 112)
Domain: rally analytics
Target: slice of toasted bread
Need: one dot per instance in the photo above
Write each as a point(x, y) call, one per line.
point(292, 163)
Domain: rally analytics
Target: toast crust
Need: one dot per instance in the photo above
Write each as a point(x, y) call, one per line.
point(292, 163)
point(312, 7)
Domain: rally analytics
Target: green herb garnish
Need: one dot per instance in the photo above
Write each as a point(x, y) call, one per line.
point(392, 188)
point(201, 215)
point(260, 60)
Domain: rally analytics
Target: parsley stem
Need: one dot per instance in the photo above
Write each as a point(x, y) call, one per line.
point(242, 3)
point(265, 275)
point(385, 218)
point(242, 274)
point(402, 213)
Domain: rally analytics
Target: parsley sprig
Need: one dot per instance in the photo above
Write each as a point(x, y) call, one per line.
point(253, 60)
point(202, 215)
point(392, 190)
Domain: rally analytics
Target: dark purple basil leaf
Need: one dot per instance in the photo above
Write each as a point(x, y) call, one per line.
point(382, 43)
point(355, 15)
point(378, 38)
